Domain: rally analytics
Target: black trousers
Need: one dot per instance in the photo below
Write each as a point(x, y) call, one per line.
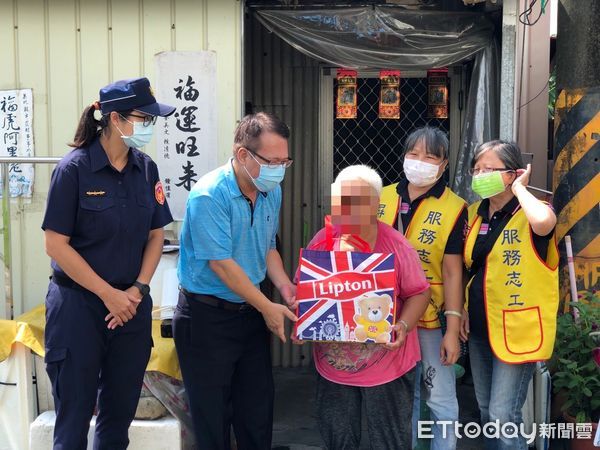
point(89, 364)
point(388, 409)
point(225, 360)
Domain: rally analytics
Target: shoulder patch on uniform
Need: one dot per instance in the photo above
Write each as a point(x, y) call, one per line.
point(159, 193)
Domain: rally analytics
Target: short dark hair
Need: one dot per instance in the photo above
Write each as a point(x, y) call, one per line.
point(508, 152)
point(436, 141)
point(248, 131)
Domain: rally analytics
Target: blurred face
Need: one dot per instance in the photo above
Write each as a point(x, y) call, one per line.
point(272, 148)
point(353, 205)
point(419, 153)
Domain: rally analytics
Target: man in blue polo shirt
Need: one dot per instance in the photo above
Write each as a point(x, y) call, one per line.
point(222, 322)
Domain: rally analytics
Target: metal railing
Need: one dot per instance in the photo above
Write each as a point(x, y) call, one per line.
point(6, 222)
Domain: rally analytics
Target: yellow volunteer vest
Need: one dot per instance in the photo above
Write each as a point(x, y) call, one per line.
point(389, 204)
point(428, 233)
point(520, 291)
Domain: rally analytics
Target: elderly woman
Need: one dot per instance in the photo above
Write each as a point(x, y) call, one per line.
point(379, 377)
point(512, 293)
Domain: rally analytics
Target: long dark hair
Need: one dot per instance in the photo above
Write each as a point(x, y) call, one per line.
point(89, 128)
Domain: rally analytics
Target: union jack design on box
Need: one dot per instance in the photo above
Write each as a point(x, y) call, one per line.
point(338, 289)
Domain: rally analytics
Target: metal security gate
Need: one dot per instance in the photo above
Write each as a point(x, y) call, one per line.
point(379, 142)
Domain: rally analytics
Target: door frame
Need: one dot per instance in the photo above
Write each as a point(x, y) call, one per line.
point(326, 117)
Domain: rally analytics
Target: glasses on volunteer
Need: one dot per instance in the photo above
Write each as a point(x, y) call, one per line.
point(148, 120)
point(474, 171)
point(269, 163)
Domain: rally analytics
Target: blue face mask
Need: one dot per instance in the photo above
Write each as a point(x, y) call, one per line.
point(268, 177)
point(142, 135)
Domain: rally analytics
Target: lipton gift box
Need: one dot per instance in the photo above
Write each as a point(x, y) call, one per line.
point(345, 296)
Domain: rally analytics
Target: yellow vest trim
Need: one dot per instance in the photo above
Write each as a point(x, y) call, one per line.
point(389, 205)
point(428, 232)
point(520, 291)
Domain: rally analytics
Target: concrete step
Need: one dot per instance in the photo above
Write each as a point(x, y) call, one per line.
point(159, 434)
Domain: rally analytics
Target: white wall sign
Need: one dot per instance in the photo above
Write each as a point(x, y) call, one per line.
point(16, 138)
point(186, 141)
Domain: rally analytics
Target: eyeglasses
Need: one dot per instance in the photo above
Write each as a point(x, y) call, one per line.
point(272, 164)
point(147, 119)
point(473, 171)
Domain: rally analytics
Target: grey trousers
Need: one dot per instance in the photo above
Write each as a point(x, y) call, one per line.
point(388, 409)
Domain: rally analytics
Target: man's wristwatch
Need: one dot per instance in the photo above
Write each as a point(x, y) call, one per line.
point(143, 288)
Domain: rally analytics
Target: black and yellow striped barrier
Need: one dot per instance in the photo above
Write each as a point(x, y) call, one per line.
point(576, 184)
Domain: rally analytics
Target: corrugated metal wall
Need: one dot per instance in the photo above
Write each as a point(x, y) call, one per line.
point(283, 81)
point(65, 50)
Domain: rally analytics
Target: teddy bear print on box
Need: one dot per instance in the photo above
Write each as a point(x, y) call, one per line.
point(345, 296)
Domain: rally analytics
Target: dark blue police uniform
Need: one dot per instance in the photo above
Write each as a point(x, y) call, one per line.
point(108, 215)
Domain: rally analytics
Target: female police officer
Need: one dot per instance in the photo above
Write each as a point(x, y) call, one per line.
point(103, 230)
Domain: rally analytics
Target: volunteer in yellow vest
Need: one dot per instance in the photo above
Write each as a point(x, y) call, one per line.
point(434, 220)
point(512, 293)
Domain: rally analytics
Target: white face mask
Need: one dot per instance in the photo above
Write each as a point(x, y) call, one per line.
point(420, 173)
point(141, 136)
